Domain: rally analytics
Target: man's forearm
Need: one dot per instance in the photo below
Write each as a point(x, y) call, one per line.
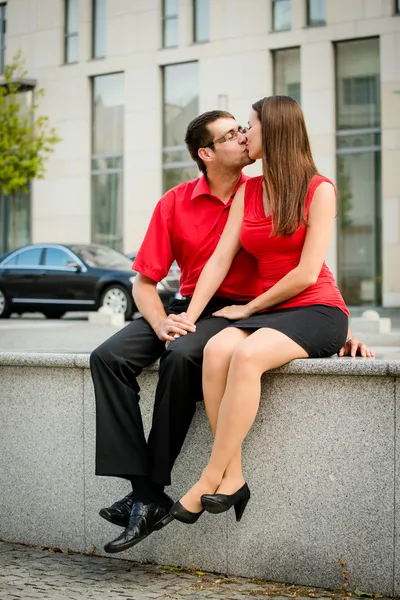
point(148, 301)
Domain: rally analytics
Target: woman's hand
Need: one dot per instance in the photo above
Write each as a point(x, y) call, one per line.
point(234, 313)
point(354, 347)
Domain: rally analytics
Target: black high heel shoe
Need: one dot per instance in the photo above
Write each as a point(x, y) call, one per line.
point(218, 503)
point(180, 513)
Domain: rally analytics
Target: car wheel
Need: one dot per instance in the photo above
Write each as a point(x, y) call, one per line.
point(5, 309)
point(53, 313)
point(117, 298)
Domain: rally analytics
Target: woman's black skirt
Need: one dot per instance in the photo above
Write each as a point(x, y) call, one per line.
point(319, 329)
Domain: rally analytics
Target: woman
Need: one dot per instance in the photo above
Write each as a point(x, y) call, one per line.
point(285, 218)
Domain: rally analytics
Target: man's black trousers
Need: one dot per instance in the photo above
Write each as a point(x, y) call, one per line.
point(121, 446)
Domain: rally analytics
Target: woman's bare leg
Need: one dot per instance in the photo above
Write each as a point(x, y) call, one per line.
point(261, 351)
point(217, 357)
point(216, 361)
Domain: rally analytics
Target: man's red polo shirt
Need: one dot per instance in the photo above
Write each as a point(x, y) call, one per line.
point(186, 226)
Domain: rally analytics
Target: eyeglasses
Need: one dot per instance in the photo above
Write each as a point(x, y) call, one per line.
point(228, 137)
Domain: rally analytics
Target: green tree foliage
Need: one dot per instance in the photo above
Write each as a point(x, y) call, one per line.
point(26, 139)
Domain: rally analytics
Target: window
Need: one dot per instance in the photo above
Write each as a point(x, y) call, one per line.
point(99, 28)
point(3, 23)
point(15, 221)
point(170, 23)
point(30, 258)
point(358, 87)
point(180, 106)
point(397, 7)
point(101, 256)
point(107, 159)
point(71, 31)
point(358, 147)
point(15, 214)
point(10, 262)
point(287, 73)
point(360, 90)
point(26, 258)
point(316, 12)
point(201, 20)
point(281, 15)
point(56, 257)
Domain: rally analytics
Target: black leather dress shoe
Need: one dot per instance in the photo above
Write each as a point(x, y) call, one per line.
point(120, 512)
point(144, 519)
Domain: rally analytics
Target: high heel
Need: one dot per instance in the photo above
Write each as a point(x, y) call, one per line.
point(239, 507)
point(218, 503)
point(180, 513)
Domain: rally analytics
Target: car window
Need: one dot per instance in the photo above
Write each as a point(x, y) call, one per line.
point(26, 258)
point(96, 255)
point(10, 261)
point(56, 257)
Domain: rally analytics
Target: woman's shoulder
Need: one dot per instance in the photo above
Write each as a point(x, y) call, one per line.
point(315, 182)
point(255, 180)
point(317, 179)
point(252, 185)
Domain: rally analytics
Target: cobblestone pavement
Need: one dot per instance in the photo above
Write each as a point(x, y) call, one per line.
point(35, 573)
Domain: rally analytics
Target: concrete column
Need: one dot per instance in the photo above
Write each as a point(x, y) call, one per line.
point(318, 103)
point(390, 101)
point(85, 30)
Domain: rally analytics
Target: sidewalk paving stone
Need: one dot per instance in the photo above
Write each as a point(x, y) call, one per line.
point(29, 573)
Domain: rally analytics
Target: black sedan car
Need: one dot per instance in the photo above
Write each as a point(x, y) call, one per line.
point(169, 286)
point(55, 278)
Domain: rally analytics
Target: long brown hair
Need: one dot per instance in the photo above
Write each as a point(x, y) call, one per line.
point(288, 165)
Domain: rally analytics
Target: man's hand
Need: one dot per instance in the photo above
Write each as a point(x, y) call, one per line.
point(175, 325)
point(234, 312)
point(354, 347)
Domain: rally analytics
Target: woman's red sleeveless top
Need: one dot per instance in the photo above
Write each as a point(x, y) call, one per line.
point(277, 255)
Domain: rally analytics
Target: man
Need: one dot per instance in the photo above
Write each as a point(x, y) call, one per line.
point(186, 226)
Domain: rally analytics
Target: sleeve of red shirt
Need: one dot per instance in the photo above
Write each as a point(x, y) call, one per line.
point(155, 255)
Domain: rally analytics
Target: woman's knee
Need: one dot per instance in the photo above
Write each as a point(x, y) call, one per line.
point(216, 354)
point(216, 347)
point(243, 353)
point(245, 357)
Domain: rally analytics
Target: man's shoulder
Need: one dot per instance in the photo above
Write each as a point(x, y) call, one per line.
point(180, 192)
point(185, 186)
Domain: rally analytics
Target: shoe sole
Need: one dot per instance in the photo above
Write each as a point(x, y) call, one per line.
point(106, 515)
point(159, 525)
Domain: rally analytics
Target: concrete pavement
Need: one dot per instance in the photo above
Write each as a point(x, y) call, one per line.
point(73, 333)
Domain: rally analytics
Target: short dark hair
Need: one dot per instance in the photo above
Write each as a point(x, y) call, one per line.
point(198, 135)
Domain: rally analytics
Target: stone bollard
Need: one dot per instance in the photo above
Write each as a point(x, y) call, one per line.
point(105, 316)
point(370, 322)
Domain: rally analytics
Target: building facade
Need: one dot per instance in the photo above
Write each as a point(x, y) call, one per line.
point(122, 79)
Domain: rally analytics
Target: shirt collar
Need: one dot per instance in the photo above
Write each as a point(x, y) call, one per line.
point(203, 189)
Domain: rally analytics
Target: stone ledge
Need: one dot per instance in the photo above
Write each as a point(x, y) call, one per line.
point(321, 460)
point(311, 366)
